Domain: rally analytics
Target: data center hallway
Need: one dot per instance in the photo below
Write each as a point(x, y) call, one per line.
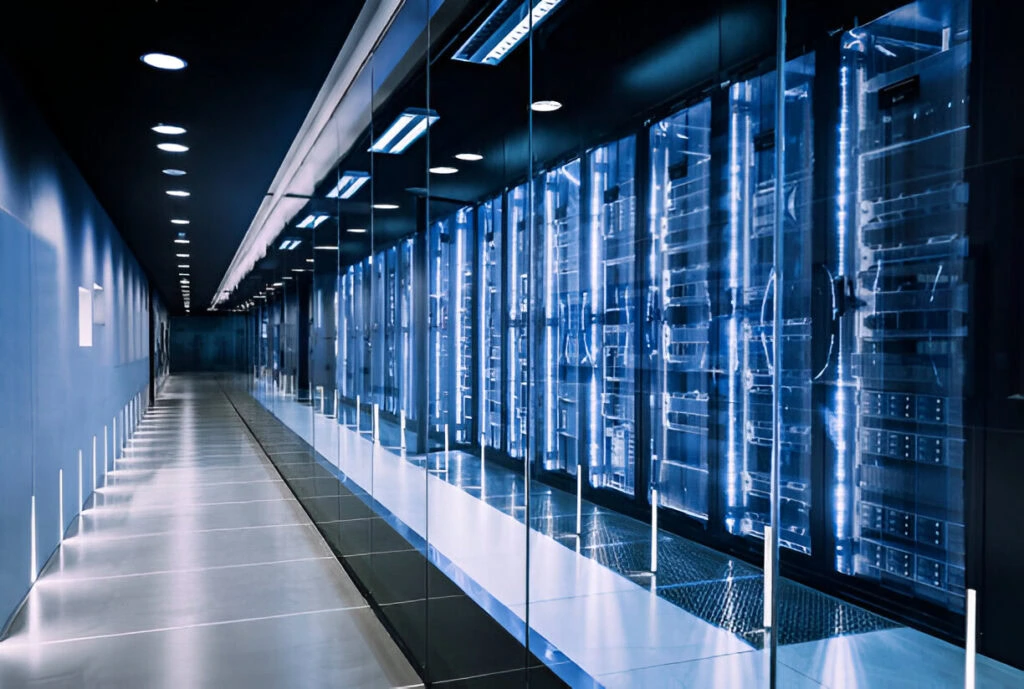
point(194, 566)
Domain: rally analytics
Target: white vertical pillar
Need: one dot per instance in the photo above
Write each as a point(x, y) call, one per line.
point(358, 407)
point(94, 463)
point(106, 452)
point(113, 438)
point(483, 467)
point(971, 638)
point(446, 449)
point(654, 530)
point(401, 426)
point(376, 423)
point(334, 409)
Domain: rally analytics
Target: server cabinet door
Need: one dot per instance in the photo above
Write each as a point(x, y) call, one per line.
point(462, 324)
point(902, 221)
point(752, 278)
point(517, 338)
point(407, 381)
point(609, 311)
point(439, 266)
point(563, 323)
point(678, 310)
point(489, 231)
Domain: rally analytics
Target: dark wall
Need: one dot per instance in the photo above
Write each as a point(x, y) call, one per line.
point(74, 341)
point(208, 344)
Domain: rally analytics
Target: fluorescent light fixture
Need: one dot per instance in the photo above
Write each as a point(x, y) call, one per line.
point(406, 128)
point(169, 129)
point(181, 241)
point(503, 30)
point(172, 147)
point(184, 266)
point(174, 172)
point(278, 284)
point(469, 157)
point(182, 255)
point(164, 61)
point(300, 270)
point(326, 247)
point(289, 244)
point(183, 275)
point(312, 220)
point(357, 230)
point(386, 206)
point(546, 106)
point(310, 260)
point(180, 193)
point(287, 277)
point(348, 185)
point(179, 221)
point(444, 170)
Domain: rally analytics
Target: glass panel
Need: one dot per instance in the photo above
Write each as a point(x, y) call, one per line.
point(678, 310)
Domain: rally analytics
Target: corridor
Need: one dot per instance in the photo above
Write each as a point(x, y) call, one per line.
point(196, 567)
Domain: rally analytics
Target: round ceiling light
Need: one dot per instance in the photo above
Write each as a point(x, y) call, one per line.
point(169, 129)
point(469, 157)
point(181, 193)
point(386, 206)
point(172, 148)
point(164, 61)
point(546, 106)
point(179, 221)
point(444, 170)
point(174, 172)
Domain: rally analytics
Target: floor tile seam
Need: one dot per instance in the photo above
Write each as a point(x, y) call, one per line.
point(191, 484)
point(651, 666)
point(179, 532)
point(15, 642)
point(56, 578)
point(171, 505)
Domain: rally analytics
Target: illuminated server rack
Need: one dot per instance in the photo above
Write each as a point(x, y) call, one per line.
point(377, 334)
point(609, 308)
point(752, 363)
point(678, 309)
point(490, 420)
point(407, 379)
point(902, 219)
point(558, 200)
point(518, 331)
point(388, 261)
point(450, 249)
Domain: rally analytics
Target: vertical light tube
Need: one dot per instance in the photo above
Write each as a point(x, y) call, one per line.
point(598, 182)
point(579, 500)
point(60, 505)
point(376, 423)
point(970, 639)
point(81, 497)
point(106, 452)
point(32, 562)
point(113, 439)
point(401, 425)
point(94, 463)
point(654, 530)
point(358, 408)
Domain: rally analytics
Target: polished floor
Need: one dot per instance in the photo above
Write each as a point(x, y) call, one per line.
point(194, 566)
point(695, 626)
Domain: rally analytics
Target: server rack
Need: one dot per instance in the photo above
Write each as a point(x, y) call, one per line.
point(439, 256)
point(490, 420)
point(562, 313)
point(609, 310)
point(406, 380)
point(902, 220)
point(753, 363)
point(518, 305)
point(389, 266)
point(462, 323)
point(678, 310)
point(377, 335)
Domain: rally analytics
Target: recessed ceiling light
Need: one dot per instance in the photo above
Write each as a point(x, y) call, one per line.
point(184, 266)
point(168, 129)
point(164, 61)
point(546, 106)
point(278, 284)
point(179, 221)
point(173, 172)
point(172, 147)
point(178, 192)
point(357, 230)
point(182, 255)
point(469, 157)
point(326, 247)
point(310, 260)
point(386, 206)
point(444, 170)
point(181, 241)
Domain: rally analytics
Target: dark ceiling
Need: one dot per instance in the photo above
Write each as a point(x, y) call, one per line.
point(253, 72)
